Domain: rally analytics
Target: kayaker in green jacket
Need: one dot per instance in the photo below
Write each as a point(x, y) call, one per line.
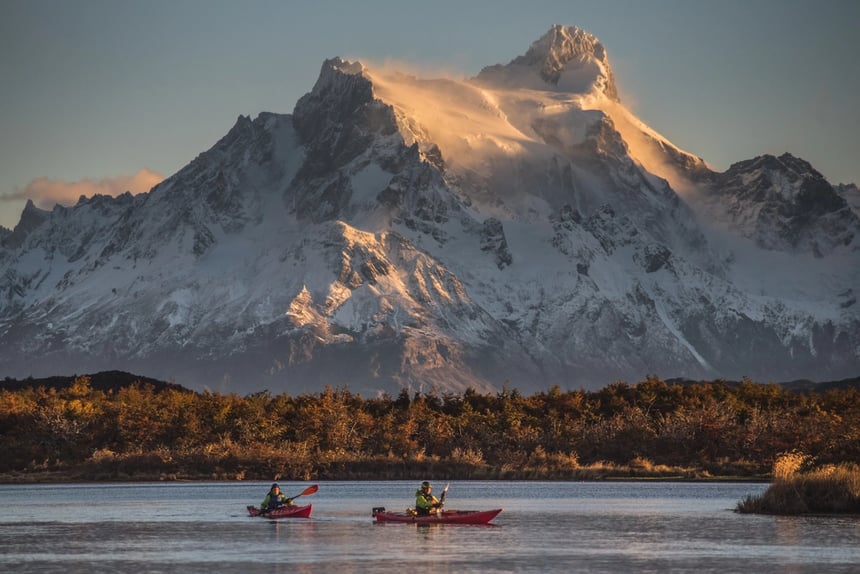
point(275, 499)
point(425, 502)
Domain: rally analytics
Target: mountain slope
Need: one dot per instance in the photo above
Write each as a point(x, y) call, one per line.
point(521, 227)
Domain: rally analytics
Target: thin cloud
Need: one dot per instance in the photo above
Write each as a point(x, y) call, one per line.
point(46, 192)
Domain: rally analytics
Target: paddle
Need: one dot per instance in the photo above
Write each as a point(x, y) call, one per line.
point(306, 492)
point(442, 500)
point(444, 492)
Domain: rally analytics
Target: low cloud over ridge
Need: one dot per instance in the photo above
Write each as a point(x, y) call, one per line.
point(46, 192)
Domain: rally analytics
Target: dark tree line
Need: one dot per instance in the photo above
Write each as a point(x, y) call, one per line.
point(652, 428)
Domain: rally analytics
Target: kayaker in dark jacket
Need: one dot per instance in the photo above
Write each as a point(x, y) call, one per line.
point(425, 502)
point(275, 499)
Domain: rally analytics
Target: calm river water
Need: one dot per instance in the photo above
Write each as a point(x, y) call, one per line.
point(545, 527)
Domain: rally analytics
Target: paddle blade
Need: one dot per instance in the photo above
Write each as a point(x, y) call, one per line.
point(310, 490)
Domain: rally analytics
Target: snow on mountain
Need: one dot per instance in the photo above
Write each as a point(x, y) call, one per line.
point(851, 194)
point(564, 60)
point(521, 227)
point(781, 203)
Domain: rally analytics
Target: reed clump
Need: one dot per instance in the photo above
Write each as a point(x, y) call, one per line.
point(799, 488)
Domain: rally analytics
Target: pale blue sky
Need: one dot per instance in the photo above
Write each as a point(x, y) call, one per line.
point(100, 89)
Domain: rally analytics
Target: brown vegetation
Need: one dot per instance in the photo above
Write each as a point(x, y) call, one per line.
point(651, 429)
point(800, 488)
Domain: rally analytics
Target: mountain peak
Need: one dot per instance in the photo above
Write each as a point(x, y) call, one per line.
point(334, 70)
point(566, 58)
point(560, 46)
point(31, 218)
point(341, 87)
point(784, 204)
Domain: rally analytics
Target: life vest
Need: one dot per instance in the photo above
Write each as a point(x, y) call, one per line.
point(275, 501)
point(429, 500)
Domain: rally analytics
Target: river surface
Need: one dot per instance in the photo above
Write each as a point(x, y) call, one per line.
point(545, 527)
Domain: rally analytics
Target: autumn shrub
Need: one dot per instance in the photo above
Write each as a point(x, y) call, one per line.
point(468, 456)
point(788, 464)
point(830, 489)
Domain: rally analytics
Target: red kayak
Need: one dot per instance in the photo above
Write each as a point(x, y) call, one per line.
point(283, 512)
point(443, 517)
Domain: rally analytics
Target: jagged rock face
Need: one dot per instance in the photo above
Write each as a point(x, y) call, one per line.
point(441, 234)
point(566, 58)
point(782, 203)
point(493, 240)
point(851, 194)
point(340, 123)
point(31, 218)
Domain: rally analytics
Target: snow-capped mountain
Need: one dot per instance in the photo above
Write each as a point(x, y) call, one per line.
point(521, 227)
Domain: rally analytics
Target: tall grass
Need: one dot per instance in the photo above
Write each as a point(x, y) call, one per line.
point(799, 489)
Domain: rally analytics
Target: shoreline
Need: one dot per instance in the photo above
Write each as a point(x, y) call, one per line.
point(67, 477)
